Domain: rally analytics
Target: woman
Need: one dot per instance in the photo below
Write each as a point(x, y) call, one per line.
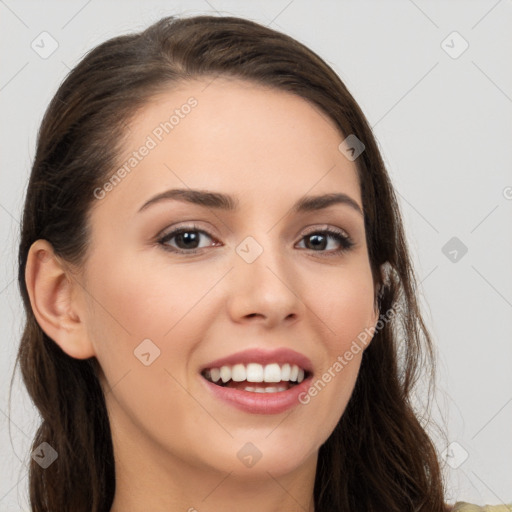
point(268, 366)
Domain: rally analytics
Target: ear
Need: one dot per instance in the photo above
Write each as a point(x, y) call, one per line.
point(54, 292)
point(379, 286)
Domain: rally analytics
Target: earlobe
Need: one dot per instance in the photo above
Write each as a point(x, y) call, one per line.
point(50, 287)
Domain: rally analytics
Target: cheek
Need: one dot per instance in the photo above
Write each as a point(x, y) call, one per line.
point(140, 301)
point(132, 303)
point(144, 328)
point(345, 304)
point(346, 311)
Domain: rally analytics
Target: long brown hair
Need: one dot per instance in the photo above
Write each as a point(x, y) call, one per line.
point(380, 456)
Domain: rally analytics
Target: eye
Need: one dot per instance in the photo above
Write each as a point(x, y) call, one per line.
point(318, 241)
point(187, 240)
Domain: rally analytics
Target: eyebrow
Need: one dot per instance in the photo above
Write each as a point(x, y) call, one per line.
point(225, 202)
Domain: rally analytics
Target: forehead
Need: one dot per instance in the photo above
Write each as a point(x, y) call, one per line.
point(244, 139)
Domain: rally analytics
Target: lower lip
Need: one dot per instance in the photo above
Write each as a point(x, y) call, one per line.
point(259, 403)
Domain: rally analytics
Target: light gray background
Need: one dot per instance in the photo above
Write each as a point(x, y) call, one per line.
point(444, 126)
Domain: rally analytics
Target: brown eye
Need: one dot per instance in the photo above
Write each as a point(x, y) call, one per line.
point(318, 241)
point(186, 239)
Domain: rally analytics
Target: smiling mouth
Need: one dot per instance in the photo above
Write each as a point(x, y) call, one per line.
point(257, 378)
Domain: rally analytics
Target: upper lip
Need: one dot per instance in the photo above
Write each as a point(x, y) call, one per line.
point(263, 357)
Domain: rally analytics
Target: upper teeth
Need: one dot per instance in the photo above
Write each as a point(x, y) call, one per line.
point(254, 372)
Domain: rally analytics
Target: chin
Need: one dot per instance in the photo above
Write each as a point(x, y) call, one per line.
point(254, 456)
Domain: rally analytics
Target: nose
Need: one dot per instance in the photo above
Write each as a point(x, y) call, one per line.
point(265, 290)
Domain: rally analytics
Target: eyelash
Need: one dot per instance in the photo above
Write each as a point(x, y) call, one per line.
point(345, 241)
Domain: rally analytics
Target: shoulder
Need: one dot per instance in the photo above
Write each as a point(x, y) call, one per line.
point(462, 506)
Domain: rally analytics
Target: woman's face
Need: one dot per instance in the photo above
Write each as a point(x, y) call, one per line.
point(259, 283)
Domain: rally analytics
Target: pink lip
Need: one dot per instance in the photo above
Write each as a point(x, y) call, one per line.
point(261, 356)
point(260, 403)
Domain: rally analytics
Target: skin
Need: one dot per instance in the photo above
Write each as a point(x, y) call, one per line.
point(175, 445)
